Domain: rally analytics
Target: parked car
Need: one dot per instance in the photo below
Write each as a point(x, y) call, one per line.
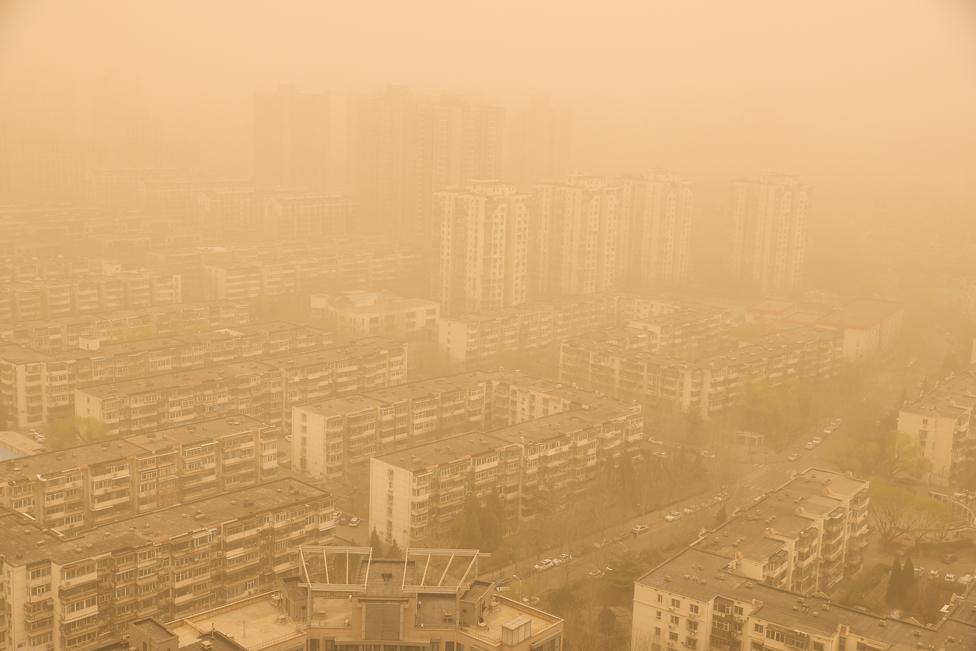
point(951, 578)
point(565, 558)
point(661, 454)
point(608, 570)
point(934, 574)
point(639, 529)
point(966, 579)
point(810, 445)
point(600, 544)
point(544, 564)
point(708, 454)
point(343, 519)
point(919, 571)
point(793, 457)
point(672, 516)
point(596, 572)
point(817, 440)
point(354, 521)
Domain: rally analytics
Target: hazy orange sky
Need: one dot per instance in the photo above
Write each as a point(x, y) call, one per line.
point(883, 90)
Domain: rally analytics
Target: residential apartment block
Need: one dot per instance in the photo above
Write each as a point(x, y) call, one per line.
point(417, 494)
point(124, 325)
point(654, 229)
point(355, 314)
point(76, 593)
point(575, 244)
point(482, 254)
point(89, 485)
point(266, 389)
point(36, 387)
point(756, 582)
point(942, 423)
point(769, 233)
point(481, 336)
point(702, 383)
point(330, 436)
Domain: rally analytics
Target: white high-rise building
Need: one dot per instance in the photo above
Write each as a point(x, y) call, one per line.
point(482, 248)
point(575, 240)
point(769, 236)
point(655, 229)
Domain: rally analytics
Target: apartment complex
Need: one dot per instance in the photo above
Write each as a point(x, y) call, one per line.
point(869, 327)
point(673, 325)
point(417, 494)
point(769, 236)
point(124, 325)
point(75, 593)
point(705, 383)
point(655, 229)
point(37, 387)
point(354, 314)
point(942, 424)
point(483, 237)
point(756, 583)
point(482, 336)
point(22, 301)
point(575, 245)
point(93, 484)
point(330, 436)
point(345, 599)
point(266, 389)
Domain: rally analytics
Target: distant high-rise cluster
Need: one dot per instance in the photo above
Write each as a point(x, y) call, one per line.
point(769, 237)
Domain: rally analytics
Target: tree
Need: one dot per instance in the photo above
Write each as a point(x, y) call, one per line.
point(895, 591)
point(492, 522)
point(376, 543)
point(469, 533)
point(394, 551)
point(721, 516)
point(897, 511)
point(606, 623)
point(900, 459)
point(908, 583)
point(625, 475)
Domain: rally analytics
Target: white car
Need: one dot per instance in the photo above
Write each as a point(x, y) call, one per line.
point(355, 522)
point(595, 572)
point(708, 454)
point(639, 529)
point(816, 440)
point(966, 579)
point(672, 516)
point(810, 445)
point(793, 457)
point(544, 564)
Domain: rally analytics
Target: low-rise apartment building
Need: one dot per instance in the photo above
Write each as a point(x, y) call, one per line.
point(125, 325)
point(330, 436)
point(942, 424)
point(702, 383)
point(77, 593)
point(354, 314)
point(38, 387)
point(89, 485)
point(418, 493)
point(477, 337)
point(266, 389)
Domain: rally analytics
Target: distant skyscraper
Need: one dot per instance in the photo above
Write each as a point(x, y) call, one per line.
point(655, 227)
point(769, 238)
point(291, 139)
point(482, 248)
point(575, 239)
point(408, 147)
point(541, 144)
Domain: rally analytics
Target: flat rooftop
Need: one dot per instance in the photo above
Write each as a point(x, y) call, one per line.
point(23, 543)
point(50, 463)
point(252, 624)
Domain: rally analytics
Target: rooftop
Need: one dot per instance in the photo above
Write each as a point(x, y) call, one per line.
point(253, 623)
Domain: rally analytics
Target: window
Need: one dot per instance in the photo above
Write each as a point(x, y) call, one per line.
point(676, 603)
point(758, 628)
point(693, 608)
point(675, 619)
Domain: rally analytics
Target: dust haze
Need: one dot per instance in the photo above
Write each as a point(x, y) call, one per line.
point(456, 326)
